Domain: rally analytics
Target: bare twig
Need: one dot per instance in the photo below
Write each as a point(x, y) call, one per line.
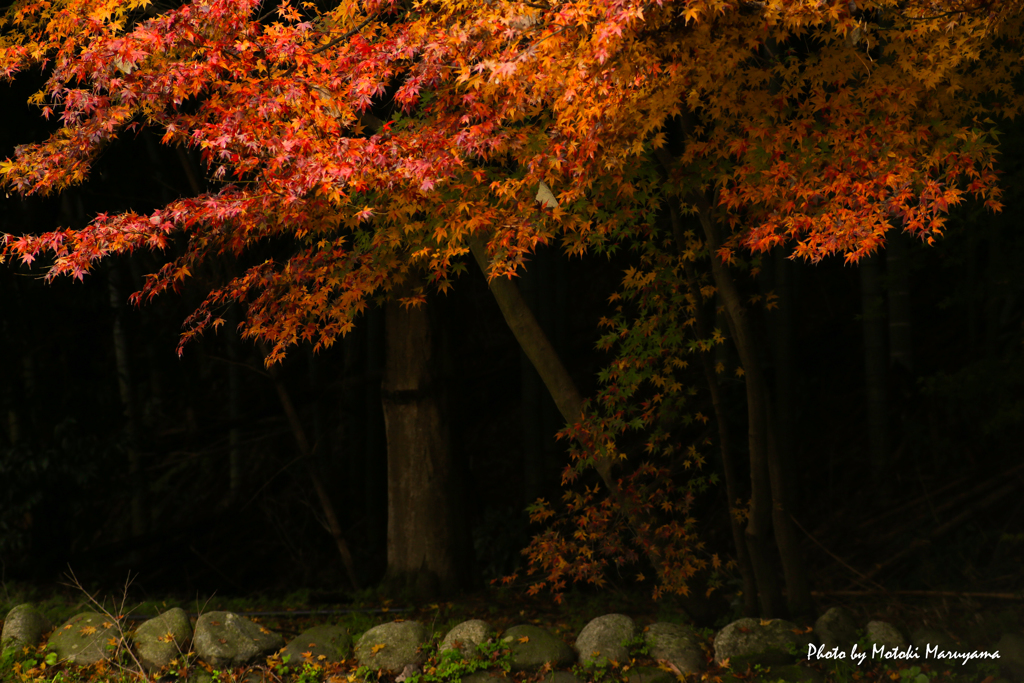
point(940, 530)
point(333, 526)
point(122, 640)
point(836, 557)
point(924, 593)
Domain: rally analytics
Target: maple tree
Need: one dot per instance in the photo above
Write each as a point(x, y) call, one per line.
point(388, 138)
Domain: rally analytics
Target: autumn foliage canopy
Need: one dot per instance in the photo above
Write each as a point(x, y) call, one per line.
point(379, 136)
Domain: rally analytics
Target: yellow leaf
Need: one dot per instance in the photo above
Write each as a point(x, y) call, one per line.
point(739, 371)
point(524, 639)
point(377, 648)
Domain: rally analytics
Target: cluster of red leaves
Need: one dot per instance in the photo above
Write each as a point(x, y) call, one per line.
point(824, 122)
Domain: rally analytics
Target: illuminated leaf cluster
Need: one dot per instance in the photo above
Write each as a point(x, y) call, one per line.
point(378, 136)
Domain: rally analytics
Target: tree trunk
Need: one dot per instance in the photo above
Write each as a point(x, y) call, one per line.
point(375, 461)
point(728, 465)
point(544, 295)
point(721, 418)
point(759, 517)
point(127, 392)
point(422, 542)
point(769, 490)
point(560, 385)
point(897, 270)
point(234, 410)
point(785, 368)
point(875, 361)
point(782, 462)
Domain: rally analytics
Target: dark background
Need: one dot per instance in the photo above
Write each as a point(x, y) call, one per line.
point(956, 424)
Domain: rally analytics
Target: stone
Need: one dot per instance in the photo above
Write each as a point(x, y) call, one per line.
point(601, 641)
point(1011, 656)
point(85, 638)
point(649, 674)
point(325, 644)
point(256, 676)
point(24, 625)
point(162, 639)
point(884, 634)
point(466, 637)
point(533, 647)
point(836, 628)
point(794, 673)
point(486, 677)
point(393, 646)
point(560, 677)
point(752, 641)
point(922, 638)
point(677, 644)
point(225, 639)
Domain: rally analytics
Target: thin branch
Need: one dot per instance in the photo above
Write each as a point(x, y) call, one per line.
point(343, 37)
point(926, 594)
point(836, 557)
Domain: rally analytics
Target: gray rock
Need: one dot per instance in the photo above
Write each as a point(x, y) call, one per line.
point(649, 674)
point(324, 643)
point(466, 636)
point(393, 646)
point(1011, 656)
point(256, 676)
point(560, 677)
point(24, 625)
point(486, 677)
point(601, 641)
point(989, 625)
point(85, 638)
point(836, 628)
point(884, 634)
point(923, 638)
point(533, 647)
point(795, 673)
point(161, 639)
point(751, 641)
point(225, 639)
point(677, 644)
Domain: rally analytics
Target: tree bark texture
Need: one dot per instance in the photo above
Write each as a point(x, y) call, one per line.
point(535, 344)
point(728, 464)
point(875, 362)
point(422, 541)
point(746, 569)
point(897, 270)
point(234, 410)
point(769, 489)
point(126, 391)
point(759, 517)
point(782, 319)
